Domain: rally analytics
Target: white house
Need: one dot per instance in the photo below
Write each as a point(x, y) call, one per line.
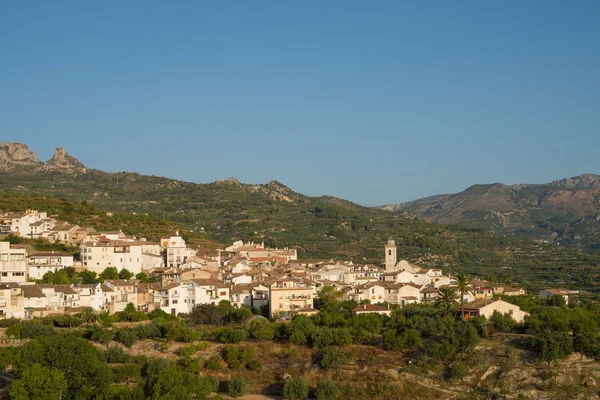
point(13, 263)
point(176, 250)
point(39, 263)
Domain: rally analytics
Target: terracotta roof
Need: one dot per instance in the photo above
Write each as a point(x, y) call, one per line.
point(556, 292)
point(31, 291)
point(106, 288)
point(478, 304)
point(369, 308)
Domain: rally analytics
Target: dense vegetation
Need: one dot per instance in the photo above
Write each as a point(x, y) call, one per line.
point(88, 355)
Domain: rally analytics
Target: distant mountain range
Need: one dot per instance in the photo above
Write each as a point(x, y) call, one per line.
point(565, 211)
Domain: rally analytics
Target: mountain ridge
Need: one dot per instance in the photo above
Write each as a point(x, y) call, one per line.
point(565, 211)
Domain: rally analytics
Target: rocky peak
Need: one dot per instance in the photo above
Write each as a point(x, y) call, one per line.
point(61, 161)
point(13, 155)
point(584, 181)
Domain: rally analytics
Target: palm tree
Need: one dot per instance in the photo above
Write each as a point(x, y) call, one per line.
point(464, 286)
point(446, 300)
point(88, 315)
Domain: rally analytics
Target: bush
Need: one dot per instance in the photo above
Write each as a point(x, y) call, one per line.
point(213, 381)
point(253, 365)
point(295, 389)
point(207, 314)
point(115, 354)
point(457, 371)
point(232, 335)
point(214, 363)
point(232, 354)
point(261, 330)
point(127, 336)
point(334, 357)
point(191, 349)
point(155, 366)
point(327, 390)
point(236, 386)
point(127, 373)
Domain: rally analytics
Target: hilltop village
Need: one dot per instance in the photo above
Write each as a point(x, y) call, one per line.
point(173, 277)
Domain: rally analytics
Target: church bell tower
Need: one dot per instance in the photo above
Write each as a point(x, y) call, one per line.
point(390, 256)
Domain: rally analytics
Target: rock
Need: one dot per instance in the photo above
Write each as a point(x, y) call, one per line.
point(61, 161)
point(14, 155)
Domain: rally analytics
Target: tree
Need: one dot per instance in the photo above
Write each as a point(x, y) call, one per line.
point(295, 389)
point(206, 314)
point(110, 273)
point(446, 300)
point(125, 274)
point(82, 364)
point(327, 390)
point(236, 386)
point(334, 357)
point(553, 345)
point(368, 321)
point(261, 329)
point(88, 315)
point(39, 382)
point(88, 277)
point(328, 297)
point(142, 277)
point(464, 286)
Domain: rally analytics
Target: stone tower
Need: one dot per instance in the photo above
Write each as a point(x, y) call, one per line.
point(390, 256)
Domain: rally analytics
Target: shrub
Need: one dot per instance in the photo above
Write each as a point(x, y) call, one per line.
point(295, 389)
point(232, 335)
point(207, 314)
point(190, 349)
point(213, 381)
point(334, 357)
point(253, 365)
point(232, 354)
point(127, 336)
point(155, 366)
point(261, 330)
point(236, 386)
point(457, 371)
point(214, 363)
point(327, 390)
point(248, 354)
point(115, 354)
point(127, 373)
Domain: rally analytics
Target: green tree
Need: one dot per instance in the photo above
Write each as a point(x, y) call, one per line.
point(110, 273)
point(334, 358)
point(464, 286)
point(295, 389)
point(88, 277)
point(446, 300)
point(327, 390)
point(88, 315)
point(125, 274)
point(370, 322)
point(142, 277)
point(261, 329)
point(39, 382)
point(236, 386)
point(553, 345)
point(82, 364)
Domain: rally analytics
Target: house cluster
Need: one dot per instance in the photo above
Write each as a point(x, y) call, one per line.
point(244, 273)
point(33, 224)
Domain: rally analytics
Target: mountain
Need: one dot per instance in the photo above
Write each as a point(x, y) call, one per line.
point(564, 212)
point(319, 227)
point(16, 156)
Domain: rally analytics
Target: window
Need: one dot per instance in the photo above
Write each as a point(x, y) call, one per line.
point(222, 293)
point(280, 305)
point(174, 302)
point(372, 290)
point(510, 312)
point(389, 252)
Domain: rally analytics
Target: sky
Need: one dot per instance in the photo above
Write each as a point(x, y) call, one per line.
point(376, 102)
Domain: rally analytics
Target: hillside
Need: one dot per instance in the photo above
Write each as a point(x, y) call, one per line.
point(323, 227)
point(564, 212)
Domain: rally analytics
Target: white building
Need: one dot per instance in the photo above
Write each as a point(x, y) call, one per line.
point(176, 250)
point(13, 263)
point(102, 253)
point(40, 263)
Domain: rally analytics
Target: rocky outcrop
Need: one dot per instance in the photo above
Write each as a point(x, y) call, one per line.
point(61, 161)
point(585, 181)
point(15, 155)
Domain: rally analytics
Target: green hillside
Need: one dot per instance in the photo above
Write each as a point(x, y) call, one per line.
point(318, 227)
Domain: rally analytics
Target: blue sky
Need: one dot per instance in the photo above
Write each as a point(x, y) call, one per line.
point(375, 102)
